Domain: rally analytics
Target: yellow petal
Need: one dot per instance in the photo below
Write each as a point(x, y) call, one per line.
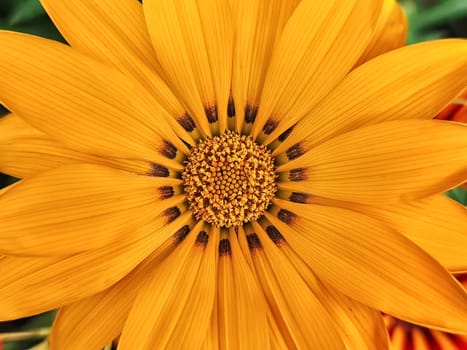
point(390, 32)
point(258, 25)
point(437, 224)
point(383, 163)
point(116, 33)
point(320, 44)
point(12, 126)
point(211, 341)
point(414, 82)
point(25, 151)
point(303, 321)
point(193, 41)
point(359, 326)
point(371, 263)
point(9, 187)
point(93, 322)
point(277, 340)
point(173, 309)
point(82, 103)
point(79, 207)
point(242, 309)
point(54, 282)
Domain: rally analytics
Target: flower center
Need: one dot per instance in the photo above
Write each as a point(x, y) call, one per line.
point(229, 180)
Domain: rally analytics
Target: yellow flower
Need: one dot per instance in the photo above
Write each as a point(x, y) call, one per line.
point(407, 336)
point(214, 174)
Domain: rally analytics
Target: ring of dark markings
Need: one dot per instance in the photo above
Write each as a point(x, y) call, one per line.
point(298, 174)
point(202, 239)
point(250, 113)
point(253, 242)
point(172, 213)
point(275, 235)
point(224, 247)
point(181, 234)
point(299, 197)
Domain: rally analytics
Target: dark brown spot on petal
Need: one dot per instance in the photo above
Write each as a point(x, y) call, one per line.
point(285, 134)
point(169, 150)
point(250, 113)
point(181, 234)
point(159, 170)
point(298, 197)
point(202, 239)
point(166, 192)
point(253, 242)
point(224, 247)
point(186, 144)
point(231, 108)
point(298, 174)
point(211, 113)
point(187, 122)
point(275, 235)
point(172, 213)
point(286, 216)
point(270, 126)
point(295, 151)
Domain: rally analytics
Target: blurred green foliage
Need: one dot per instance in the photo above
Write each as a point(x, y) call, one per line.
point(27, 16)
point(458, 194)
point(435, 19)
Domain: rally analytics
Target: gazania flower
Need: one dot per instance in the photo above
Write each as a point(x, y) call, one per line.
point(456, 111)
point(405, 336)
point(214, 174)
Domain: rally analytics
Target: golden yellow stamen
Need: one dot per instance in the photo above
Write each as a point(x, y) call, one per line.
point(229, 180)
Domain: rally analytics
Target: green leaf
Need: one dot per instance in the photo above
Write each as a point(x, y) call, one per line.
point(443, 12)
point(25, 11)
point(433, 19)
point(459, 194)
point(27, 16)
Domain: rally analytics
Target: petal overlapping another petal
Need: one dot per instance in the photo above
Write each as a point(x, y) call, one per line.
point(82, 103)
point(373, 264)
point(385, 163)
point(25, 152)
point(79, 207)
point(414, 82)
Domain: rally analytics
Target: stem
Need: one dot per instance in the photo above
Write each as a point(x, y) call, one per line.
point(36, 333)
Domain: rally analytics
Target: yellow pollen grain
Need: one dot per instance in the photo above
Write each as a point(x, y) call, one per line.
point(229, 180)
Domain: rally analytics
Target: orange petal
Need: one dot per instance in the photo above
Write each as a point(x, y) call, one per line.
point(79, 207)
point(55, 282)
point(359, 326)
point(390, 32)
point(178, 314)
point(116, 33)
point(83, 103)
point(25, 151)
point(193, 41)
point(302, 320)
point(385, 163)
point(437, 224)
point(414, 82)
point(371, 263)
point(320, 44)
point(241, 304)
point(93, 322)
point(259, 25)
